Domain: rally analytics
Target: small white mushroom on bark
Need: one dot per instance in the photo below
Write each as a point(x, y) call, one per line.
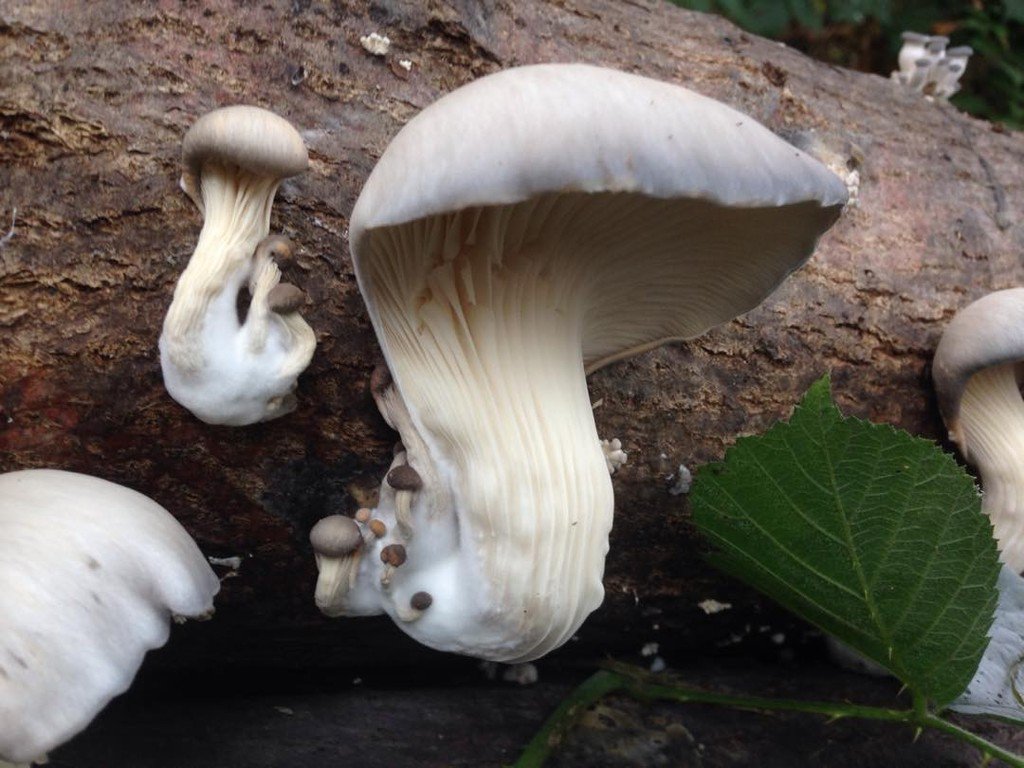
point(91, 575)
point(946, 80)
point(337, 543)
point(522, 231)
point(977, 374)
point(911, 51)
point(614, 456)
point(224, 370)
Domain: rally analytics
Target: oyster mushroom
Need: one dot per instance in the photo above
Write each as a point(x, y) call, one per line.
point(977, 373)
point(223, 369)
point(912, 50)
point(337, 542)
point(522, 231)
point(92, 574)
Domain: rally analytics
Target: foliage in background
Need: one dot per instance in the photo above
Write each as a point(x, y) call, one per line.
point(865, 35)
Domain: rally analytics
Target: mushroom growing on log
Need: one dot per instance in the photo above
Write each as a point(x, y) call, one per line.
point(524, 230)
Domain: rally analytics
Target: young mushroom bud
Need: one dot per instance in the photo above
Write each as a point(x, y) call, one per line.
point(337, 543)
point(526, 229)
point(92, 574)
point(223, 369)
point(977, 373)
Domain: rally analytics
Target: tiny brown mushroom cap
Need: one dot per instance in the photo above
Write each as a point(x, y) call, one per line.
point(278, 247)
point(285, 298)
point(393, 554)
point(378, 528)
point(250, 138)
point(405, 478)
point(335, 536)
point(421, 601)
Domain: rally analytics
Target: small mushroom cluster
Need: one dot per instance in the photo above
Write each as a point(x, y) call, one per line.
point(223, 368)
point(516, 235)
point(927, 66)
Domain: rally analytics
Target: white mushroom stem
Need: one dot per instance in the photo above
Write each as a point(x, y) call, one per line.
point(990, 433)
point(237, 217)
point(494, 363)
point(337, 575)
point(224, 370)
point(403, 513)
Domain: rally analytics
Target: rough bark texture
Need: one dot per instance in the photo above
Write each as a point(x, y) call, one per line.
point(94, 100)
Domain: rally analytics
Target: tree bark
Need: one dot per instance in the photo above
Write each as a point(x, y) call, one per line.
point(94, 101)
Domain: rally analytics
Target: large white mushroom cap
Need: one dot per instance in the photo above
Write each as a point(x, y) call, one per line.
point(91, 574)
point(528, 227)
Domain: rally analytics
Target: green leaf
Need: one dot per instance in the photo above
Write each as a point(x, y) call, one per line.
point(873, 535)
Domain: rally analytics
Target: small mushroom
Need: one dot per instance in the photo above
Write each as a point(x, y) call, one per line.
point(393, 556)
point(406, 481)
point(224, 370)
point(92, 574)
point(418, 603)
point(337, 543)
point(910, 53)
point(378, 528)
point(421, 601)
point(977, 373)
point(946, 79)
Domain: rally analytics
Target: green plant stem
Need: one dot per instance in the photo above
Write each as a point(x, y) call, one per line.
point(589, 692)
point(636, 684)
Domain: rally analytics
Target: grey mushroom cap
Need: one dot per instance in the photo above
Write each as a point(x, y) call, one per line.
point(247, 137)
point(960, 50)
point(987, 333)
point(533, 132)
point(335, 536)
point(915, 37)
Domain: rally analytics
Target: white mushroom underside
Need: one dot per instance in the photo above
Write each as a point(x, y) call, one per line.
point(991, 420)
point(223, 370)
point(488, 319)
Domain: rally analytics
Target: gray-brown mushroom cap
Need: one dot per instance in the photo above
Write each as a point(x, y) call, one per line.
point(984, 334)
point(250, 138)
point(335, 536)
point(643, 171)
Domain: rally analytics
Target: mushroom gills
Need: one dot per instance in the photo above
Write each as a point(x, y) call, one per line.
point(991, 420)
